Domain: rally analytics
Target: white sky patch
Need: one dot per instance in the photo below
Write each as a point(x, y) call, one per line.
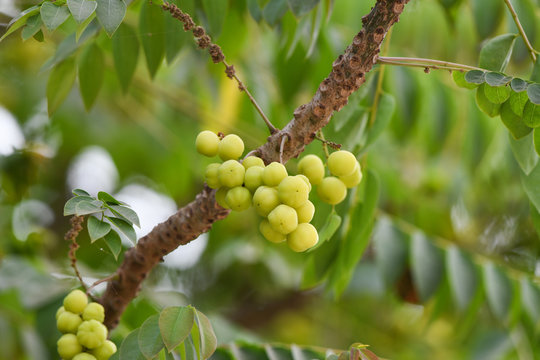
point(11, 135)
point(93, 170)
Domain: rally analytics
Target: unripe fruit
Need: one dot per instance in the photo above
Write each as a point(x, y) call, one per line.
point(305, 212)
point(68, 346)
point(230, 147)
point(293, 191)
point(252, 161)
point(231, 173)
point(265, 200)
point(91, 334)
point(354, 179)
point(75, 301)
point(274, 173)
point(305, 178)
point(84, 356)
point(211, 175)
point(220, 197)
point(283, 219)
point(304, 237)
point(312, 167)
point(238, 198)
point(94, 311)
point(331, 190)
point(68, 322)
point(341, 163)
point(59, 311)
point(253, 177)
point(105, 351)
point(207, 143)
point(270, 234)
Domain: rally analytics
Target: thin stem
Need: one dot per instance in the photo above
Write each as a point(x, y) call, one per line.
point(281, 147)
point(426, 63)
point(96, 283)
point(71, 235)
point(521, 30)
point(320, 136)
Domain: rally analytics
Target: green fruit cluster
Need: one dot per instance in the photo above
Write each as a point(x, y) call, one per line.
point(84, 335)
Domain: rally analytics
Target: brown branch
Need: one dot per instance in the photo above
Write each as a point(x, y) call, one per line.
point(348, 73)
point(71, 236)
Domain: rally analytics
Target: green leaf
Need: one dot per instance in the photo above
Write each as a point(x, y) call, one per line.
point(125, 47)
point(533, 91)
point(517, 102)
point(475, 77)
point(195, 337)
point(20, 20)
point(129, 349)
point(530, 185)
point(207, 335)
point(535, 76)
point(69, 207)
point(255, 10)
point(39, 36)
point(332, 223)
point(497, 79)
point(530, 297)
point(498, 291)
point(110, 14)
point(108, 198)
point(497, 95)
point(84, 25)
point(80, 192)
point(91, 74)
point(81, 9)
point(97, 228)
point(52, 15)
point(186, 350)
point(114, 243)
point(462, 276)
point(519, 85)
point(33, 25)
point(302, 7)
point(175, 324)
point(523, 150)
point(391, 250)
point(126, 214)
point(459, 79)
point(385, 112)
point(513, 122)
point(124, 227)
point(426, 265)
point(531, 115)
point(152, 30)
point(487, 16)
point(484, 104)
point(59, 85)
point(496, 52)
point(150, 341)
point(536, 140)
point(274, 11)
point(88, 207)
point(216, 12)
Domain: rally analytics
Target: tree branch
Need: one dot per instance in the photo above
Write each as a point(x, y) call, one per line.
point(347, 75)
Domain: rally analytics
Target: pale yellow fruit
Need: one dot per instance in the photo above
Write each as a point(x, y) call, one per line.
point(68, 346)
point(265, 200)
point(221, 194)
point(252, 161)
point(312, 167)
point(269, 233)
point(84, 356)
point(305, 178)
point(274, 173)
point(341, 163)
point(68, 322)
point(59, 311)
point(354, 179)
point(230, 147)
point(211, 176)
point(331, 190)
point(105, 351)
point(94, 311)
point(293, 191)
point(207, 143)
point(231, 173)
point(303, 238)
point(75, 301)
point(91, 334)
point(283, 219)
point(253, 177)
point(305, 212)
point(238, 198)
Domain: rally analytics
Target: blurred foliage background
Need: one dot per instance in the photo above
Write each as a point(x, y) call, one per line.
point(451, 201)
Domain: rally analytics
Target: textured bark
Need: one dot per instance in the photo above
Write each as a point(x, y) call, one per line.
point(347, 75)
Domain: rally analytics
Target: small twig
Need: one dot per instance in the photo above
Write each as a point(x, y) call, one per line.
point(426, 63)
point(284, 139)
point(320, 137)
point(71, 235)
point(521, 30)
point(96, 283)
point(332, 144)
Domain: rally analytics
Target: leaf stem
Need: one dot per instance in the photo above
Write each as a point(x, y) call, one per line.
point(426, 63)
point(532, 52)
point(320, 136)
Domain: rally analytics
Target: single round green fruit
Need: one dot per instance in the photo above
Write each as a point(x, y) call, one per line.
point(312, 167)
point(231, 173)
point(59, 311)
point(221, 194)
point(211, 175)
point(238, 198)
point(253, 177)
point(265, 200)
point(84, 356)
point(304, 237)
point(68, 346)
point(293, 191)
point(341, 163)
point(207, 143)
point(354, 179)
point(105, 351)
point(331, 190)
point(94, 311)
point(283, 219)
point(269, 233)
point(274, 173)
point(305, 212)
point(68, 322)
point(252, 161)
point(305, 178)
point(230, 147)
point(75, 301)
point(91, 334)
